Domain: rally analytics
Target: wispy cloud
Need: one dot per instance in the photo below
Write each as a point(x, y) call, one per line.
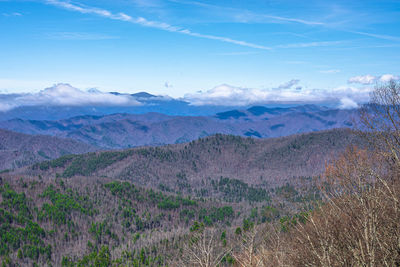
point(167, 27)
point(247, 16)
point(148, 23)
point(310, 44)
point(302, 21)
point(371, 79)
point(244, 53)
point(333, 71)
point(13, 14)
point(254, 17)
point(243, 15)
point(147, 3)
point(379, 36)
point(78, 36)
point(295, 62)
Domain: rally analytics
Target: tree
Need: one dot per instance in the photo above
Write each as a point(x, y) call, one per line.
point(380, 121)
point(248, 243)
point(204, 248)
point(103, 258)
point(357, 225)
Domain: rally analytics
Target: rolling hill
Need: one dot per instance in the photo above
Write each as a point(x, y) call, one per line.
point(189, 167)
point(17, 149)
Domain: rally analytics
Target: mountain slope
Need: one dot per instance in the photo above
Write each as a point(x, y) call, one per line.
point(18, 149)
point(264, 162)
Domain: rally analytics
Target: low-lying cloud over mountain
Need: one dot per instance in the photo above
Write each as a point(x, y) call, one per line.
point(292, 92)
point(227, 95)
point(65, 95)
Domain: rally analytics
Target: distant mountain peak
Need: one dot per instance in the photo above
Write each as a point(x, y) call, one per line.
point(143, 95)
point(232, 114)
point(258, 110)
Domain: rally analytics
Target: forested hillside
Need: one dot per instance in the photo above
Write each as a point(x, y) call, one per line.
point(192, 166)
point(89, 221)
point(142, 206)
point(17, 150)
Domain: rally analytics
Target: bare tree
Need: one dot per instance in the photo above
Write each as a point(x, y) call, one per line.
point(204, 249)
point(247, 247)
point(261, 246)
point(358, 223)
point(380, 121)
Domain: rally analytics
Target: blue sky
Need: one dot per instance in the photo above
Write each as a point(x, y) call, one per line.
point(181, 47)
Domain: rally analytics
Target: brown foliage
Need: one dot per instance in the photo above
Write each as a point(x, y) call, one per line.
point(357, 225)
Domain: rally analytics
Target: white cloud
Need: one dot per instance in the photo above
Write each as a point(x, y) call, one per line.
point(65, 95)
point(371, 79)
point(227, 95)
point(347, 103)
point(388, 77)
point(363, 79)
point(223, 95)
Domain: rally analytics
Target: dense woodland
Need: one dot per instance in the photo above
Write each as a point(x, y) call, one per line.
point(319, 199)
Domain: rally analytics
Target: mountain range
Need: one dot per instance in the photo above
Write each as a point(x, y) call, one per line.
point(76, 193)
point(63, 101)
point(124, 130)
